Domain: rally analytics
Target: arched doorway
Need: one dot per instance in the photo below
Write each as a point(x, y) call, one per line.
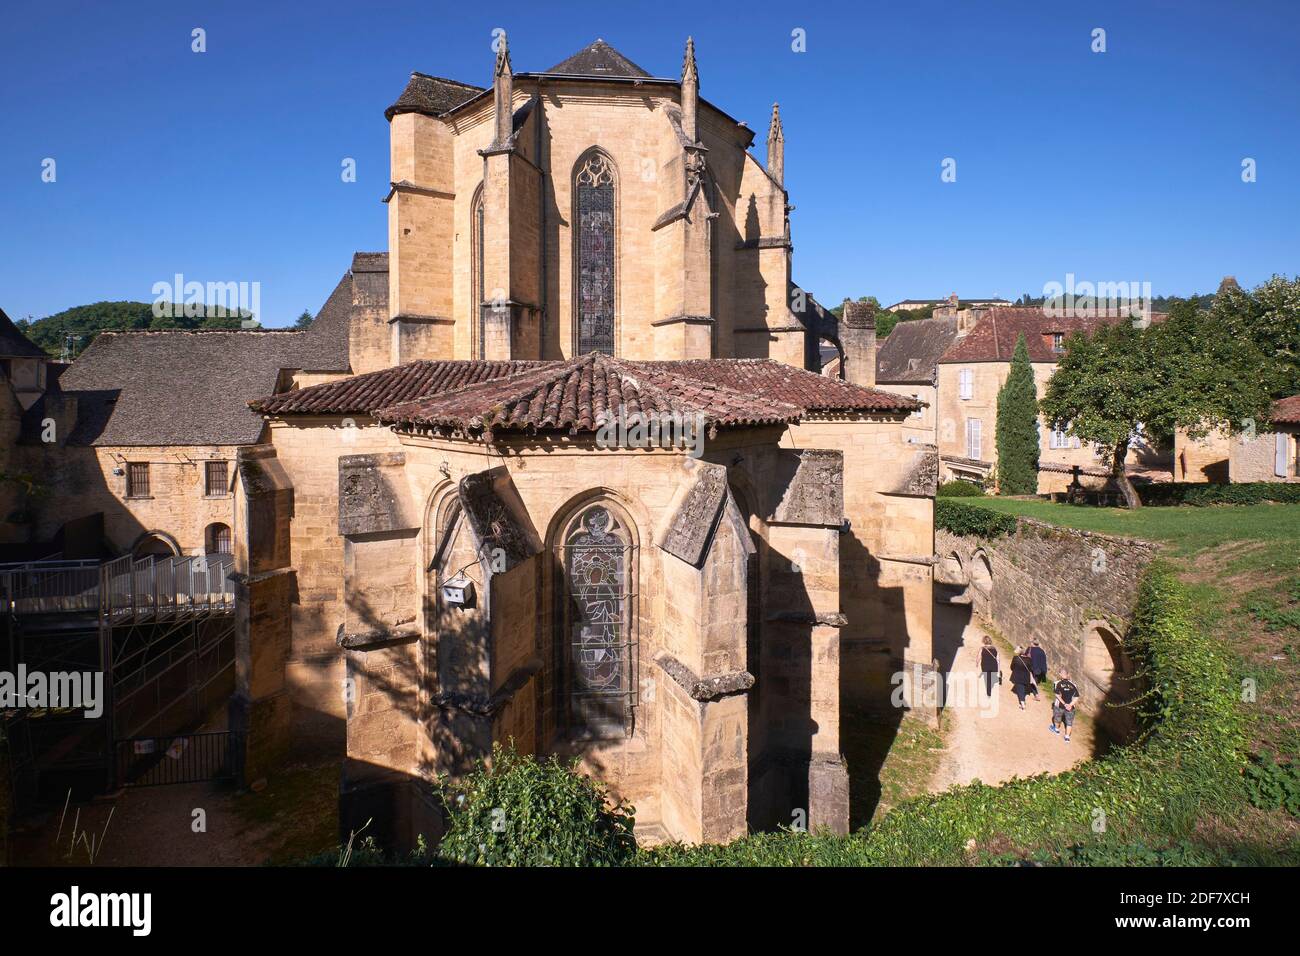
point(155, 545)
point(1108, 676)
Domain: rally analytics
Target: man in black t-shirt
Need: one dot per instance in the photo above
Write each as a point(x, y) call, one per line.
point(1063, 705)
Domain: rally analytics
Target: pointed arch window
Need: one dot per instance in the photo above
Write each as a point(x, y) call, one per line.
point(477, 292)
point(594, 185)
point(597, 646)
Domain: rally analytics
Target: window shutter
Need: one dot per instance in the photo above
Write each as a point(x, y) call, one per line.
point(973, 436)
point(1279, 455)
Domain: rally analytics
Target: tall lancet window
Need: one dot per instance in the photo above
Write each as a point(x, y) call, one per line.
point(598, 622)
point(594, 184)
point(478, 293)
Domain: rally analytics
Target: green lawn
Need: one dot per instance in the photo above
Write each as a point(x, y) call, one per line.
point(1187, 531)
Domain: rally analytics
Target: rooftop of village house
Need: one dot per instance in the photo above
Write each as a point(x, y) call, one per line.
point(993, 339)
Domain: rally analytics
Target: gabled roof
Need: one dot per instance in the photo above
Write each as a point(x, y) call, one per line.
point(13, 344)
point(432, 95)
point(598, 59)
point(993, 339)
point(912, 349)
point(1286, 411)
point(175, 387)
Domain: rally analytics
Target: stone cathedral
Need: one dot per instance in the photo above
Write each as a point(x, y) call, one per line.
point(442, 548)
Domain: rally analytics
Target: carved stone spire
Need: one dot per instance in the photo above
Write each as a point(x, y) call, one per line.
point(503, 88)
point(690, 91)
point(776, 147)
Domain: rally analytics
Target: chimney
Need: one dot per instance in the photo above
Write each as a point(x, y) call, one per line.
point(503, 90)
point(776, 147)
point(690, 92)
point(858, 339)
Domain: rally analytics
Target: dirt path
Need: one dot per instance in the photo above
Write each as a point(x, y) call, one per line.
point(993, 741)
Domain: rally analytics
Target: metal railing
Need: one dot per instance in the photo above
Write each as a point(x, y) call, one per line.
point(121, 588)
point(182, 758)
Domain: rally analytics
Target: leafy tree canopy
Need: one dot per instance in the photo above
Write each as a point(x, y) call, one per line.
point(84, 322)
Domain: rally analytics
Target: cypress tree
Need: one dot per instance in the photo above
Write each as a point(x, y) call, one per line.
point(1017, 429)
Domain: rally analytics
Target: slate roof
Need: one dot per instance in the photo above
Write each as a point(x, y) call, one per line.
point(432, 95)
point(13, 344)
point(909, 353)
point(1286, 411)
point(598, 59)
point(362, 394)
point(175, 387)
point(324, 347)
point(993, 339)
point(777, 380)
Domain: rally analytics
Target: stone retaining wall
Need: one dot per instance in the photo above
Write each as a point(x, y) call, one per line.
point(1072, 590)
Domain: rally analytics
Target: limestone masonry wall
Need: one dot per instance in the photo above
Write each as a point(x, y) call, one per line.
point(1072, 590)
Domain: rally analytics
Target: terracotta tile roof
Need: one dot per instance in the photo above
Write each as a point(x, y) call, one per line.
point(362, 394)
point(785, 383)
point(1286, 411)
point(570, 395)
point(908, 354)
point(993, 339)
point(578, 395)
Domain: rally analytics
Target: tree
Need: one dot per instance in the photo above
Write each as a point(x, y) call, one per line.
point(304, 321)
point(1017, 427)
point(1187, 372)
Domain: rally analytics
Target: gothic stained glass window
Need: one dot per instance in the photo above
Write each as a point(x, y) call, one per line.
point(594, 184)
point(598, 559)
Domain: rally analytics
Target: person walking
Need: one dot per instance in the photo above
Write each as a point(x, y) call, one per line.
point(989, 664)
point(1022, 678)
point(1066, 699)
point(1037, 665)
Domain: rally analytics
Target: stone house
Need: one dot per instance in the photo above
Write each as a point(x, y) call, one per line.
point(973, 370)
point(479, 540)
point(1265, 454)
point(907, 363)
point(142, 431)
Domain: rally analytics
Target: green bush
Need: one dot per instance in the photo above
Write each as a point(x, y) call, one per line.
point(1200, 495)
point(1187, 761)
point(518, 811)
point(959, 518)
point(959, 489)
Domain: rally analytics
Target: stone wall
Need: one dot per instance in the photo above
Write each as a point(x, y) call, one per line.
point(1072, 590)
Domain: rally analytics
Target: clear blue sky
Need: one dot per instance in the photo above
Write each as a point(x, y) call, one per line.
point(224, 166)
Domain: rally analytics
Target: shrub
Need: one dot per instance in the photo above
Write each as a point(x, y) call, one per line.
point(518, 811)
point(959, 489)
point(1200, 495)
point(960, 518)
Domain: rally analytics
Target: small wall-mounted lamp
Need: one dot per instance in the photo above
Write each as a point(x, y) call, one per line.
point(458, 591)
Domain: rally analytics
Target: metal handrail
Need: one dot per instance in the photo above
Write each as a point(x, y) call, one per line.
point(119, 588)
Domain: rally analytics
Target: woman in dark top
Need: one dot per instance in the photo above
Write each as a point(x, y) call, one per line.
point(989, 663)
point(1022, 675)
